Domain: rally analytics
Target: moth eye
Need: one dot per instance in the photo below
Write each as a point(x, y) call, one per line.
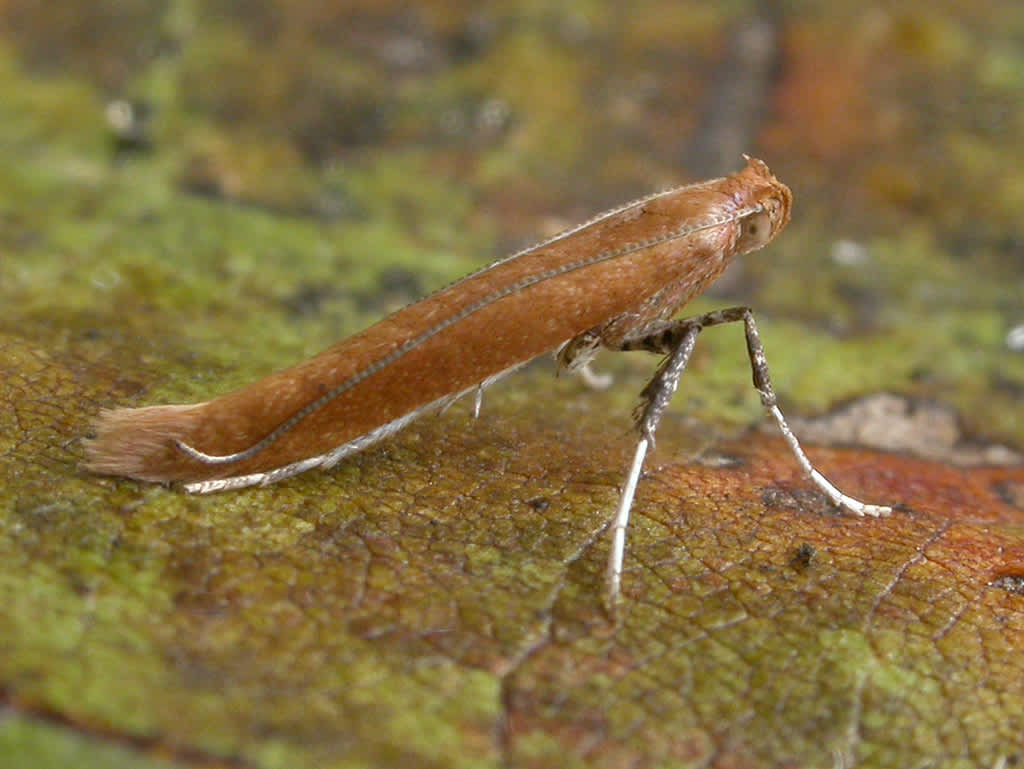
point(755, 231)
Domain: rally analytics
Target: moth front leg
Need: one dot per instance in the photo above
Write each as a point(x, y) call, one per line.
point(576, 355)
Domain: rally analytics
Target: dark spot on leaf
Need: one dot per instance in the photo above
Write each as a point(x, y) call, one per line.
point(540, 504)
point(803, 556)
point(776, 498)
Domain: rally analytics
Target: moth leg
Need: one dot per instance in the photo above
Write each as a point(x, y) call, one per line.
point(676, 339)
point(576, 355)
point(680, 339)
point(668, 337)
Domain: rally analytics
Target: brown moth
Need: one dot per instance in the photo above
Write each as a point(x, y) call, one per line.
point(613, 282)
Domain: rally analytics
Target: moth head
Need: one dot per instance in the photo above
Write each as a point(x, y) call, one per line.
point(770, 200)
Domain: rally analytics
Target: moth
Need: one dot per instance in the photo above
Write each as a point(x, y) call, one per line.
point(613, 283)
